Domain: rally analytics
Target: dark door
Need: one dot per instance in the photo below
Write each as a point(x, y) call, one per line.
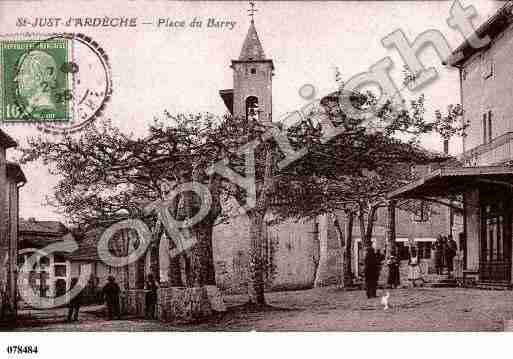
point(495, 254)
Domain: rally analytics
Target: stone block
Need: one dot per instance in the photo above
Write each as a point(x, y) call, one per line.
point(185, 305)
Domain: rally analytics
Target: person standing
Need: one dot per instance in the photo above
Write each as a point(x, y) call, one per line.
point(151, 297)
point(452, 248)
point(393, 271)
point(111, 294)
point(414, 267)
point(438, 254)
point(74, 303)
point(371, 272)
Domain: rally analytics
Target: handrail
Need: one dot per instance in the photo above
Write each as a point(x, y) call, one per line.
point(486, 147)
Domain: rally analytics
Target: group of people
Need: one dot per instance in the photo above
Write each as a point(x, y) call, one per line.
point(372, 268)
point(445, 249)
point(110, 293)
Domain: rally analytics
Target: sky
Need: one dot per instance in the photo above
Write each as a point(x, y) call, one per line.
point(182, 69)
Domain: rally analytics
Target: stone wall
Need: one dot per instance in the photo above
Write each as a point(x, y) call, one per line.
point(291, 254)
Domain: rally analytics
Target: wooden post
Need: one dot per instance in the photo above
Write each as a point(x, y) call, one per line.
point(390, 228)
point(390, 233)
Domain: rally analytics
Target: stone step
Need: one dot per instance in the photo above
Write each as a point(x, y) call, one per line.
point(493, 285)
point(444, 284)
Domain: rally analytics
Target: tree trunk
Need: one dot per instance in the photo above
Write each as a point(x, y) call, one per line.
point(363, 234)
point(348, 235)
point(175, 275)
point(256, 285)
point(256, 266)
point(366, 230)
point(370, 224)
point(202, 261)
point(202, 256)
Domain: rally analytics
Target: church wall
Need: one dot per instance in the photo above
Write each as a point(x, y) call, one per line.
point(230, 243)
point(296, 255)
point(292, 251)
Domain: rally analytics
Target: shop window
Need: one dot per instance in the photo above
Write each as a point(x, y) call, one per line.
point(422, 213)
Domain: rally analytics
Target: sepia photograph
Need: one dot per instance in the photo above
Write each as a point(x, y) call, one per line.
point(242, 166)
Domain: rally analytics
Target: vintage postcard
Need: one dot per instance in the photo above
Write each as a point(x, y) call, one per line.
point(255, 166)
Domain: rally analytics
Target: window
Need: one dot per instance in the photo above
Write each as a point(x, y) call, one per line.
point(60, 270)
point(487, 65)
point(424, 249)
point(490, 126)
point(487, 127)
point(253, 71)
point(484, 129)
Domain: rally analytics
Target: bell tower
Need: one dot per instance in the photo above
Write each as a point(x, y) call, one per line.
point(252, 78)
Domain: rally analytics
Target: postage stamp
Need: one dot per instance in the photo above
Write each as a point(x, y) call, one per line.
point(36, 83)
point(60, 82)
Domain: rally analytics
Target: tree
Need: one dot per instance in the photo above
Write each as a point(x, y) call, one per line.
point(105, 175)
point(353, 172)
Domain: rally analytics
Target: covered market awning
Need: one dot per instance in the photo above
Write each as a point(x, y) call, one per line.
point(450, 181)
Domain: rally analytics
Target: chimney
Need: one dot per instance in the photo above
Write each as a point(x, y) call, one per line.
point(446, 146)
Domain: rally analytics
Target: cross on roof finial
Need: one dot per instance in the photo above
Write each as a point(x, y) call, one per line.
point(252, 9)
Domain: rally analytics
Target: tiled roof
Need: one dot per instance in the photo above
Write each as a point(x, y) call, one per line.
point(42, 227)
point(252, 48)
point(6, 141)
point(87, 250)
point(496, 24)
point(14, 171)
point(88, 246)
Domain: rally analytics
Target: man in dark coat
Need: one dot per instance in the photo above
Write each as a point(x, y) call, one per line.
point(452, 248)
point(371, 268)
point(111, 294)
point(393, 271)
point(439, 254)
point(151, 297)
point(74, 303)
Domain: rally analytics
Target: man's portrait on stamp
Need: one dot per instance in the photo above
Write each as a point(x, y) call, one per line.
point(36, 78)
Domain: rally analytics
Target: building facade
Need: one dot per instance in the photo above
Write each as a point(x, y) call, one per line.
point(51, 274)
point(485, 183)
point(11, 179)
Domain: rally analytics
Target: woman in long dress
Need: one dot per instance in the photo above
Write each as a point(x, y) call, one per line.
point(414, 267)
